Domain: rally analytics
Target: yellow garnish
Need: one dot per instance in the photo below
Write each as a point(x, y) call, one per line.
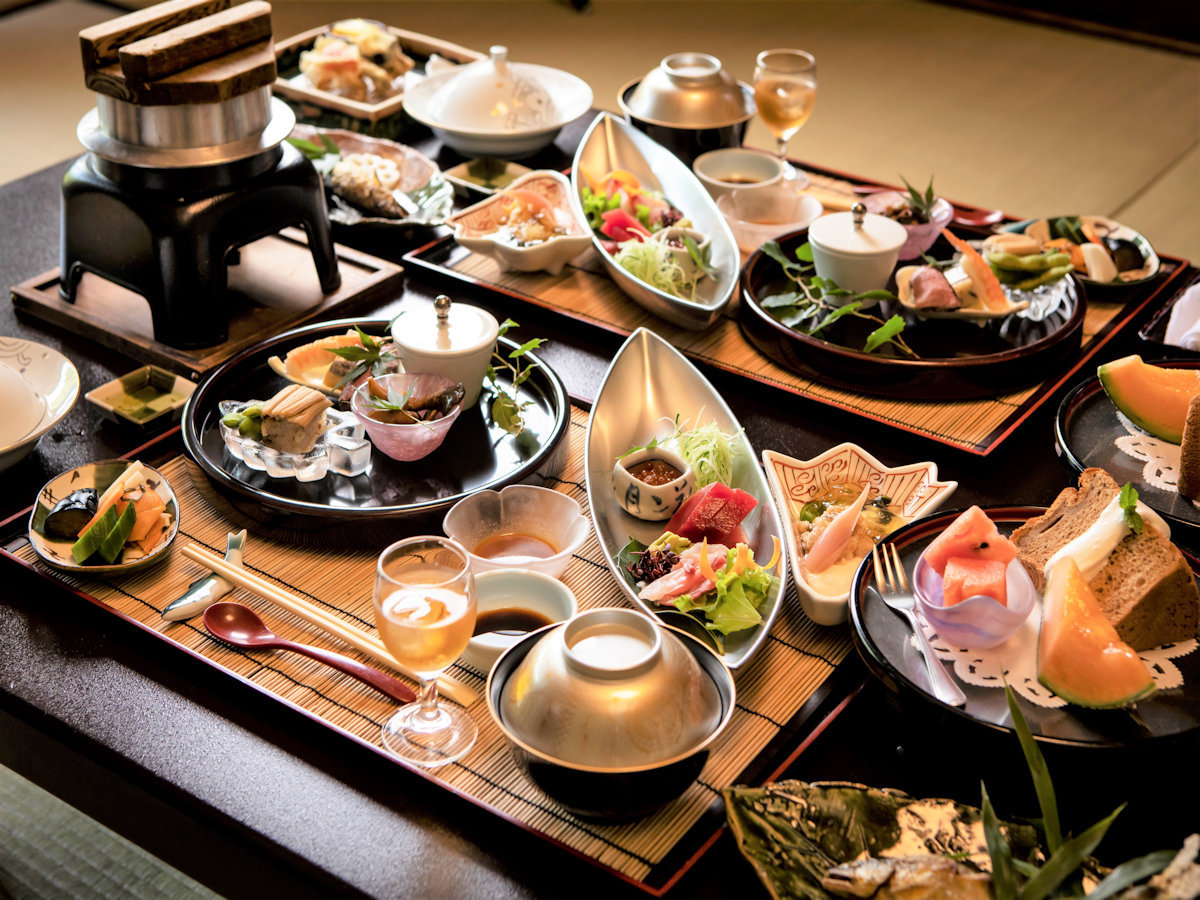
point(744, 558)
point(774, 556)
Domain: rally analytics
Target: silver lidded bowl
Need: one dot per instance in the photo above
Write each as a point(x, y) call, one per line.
point(610, 713)
point(690, 105)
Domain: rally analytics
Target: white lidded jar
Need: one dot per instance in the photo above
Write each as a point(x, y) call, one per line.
point(857, 250)
point(491, 95)
point(454, 340)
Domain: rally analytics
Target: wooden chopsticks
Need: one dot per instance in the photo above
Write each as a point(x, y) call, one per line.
point(365, 643)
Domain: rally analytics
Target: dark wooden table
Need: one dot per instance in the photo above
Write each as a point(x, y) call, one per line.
point(247, 796)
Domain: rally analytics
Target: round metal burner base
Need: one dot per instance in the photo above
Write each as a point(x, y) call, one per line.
point(171, 245)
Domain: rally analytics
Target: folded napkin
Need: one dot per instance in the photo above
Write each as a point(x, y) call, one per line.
point(1183, 327)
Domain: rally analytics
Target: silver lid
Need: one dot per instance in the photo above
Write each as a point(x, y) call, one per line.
point(689, 90)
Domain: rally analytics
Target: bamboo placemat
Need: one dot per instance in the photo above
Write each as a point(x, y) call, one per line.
point(794, 662)
point(584, 291)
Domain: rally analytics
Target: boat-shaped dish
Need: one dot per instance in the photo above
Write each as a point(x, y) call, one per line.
point(956, 358)
point(55, 382)
point(1137, 264)
point(647, 384)
point(423, 196)
point(609, 145)
point(380, 118)
point(477, 453)
point(914, 490)
point(481, 228)
point(56, 551)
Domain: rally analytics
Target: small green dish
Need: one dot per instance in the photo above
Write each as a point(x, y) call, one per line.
point(148, 397)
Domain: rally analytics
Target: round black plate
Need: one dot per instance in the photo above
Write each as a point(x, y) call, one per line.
point(882, 637)
point(1085, 433)
point(475, 456)
point(958, 358)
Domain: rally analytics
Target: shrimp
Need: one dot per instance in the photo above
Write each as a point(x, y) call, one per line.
point(983, 280)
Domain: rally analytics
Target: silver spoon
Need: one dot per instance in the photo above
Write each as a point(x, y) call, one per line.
point(239, 625)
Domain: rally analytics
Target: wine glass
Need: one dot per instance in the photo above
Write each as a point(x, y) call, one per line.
point(425, 610)
point(785, 88)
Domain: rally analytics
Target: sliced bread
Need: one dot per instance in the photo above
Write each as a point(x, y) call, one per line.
point(1146, 588)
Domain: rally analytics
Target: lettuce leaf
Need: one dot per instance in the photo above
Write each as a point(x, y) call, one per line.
point(734, 603)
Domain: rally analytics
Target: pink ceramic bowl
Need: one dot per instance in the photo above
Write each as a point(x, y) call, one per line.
point(406, 442)
point(976, 623)
point(920, 237)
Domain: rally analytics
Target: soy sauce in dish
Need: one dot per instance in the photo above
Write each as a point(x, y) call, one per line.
point(512, 546)
point(509, 620)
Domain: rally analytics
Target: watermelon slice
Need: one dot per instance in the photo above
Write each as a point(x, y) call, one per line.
point(971, 536)
point(969, 577)
point(714, 512)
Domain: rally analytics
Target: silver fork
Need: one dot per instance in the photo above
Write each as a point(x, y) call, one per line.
point(893, 587)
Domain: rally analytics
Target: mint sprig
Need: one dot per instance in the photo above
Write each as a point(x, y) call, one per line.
point(1128, 500)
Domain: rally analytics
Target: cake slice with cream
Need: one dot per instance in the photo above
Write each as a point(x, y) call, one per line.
point(1141, 580)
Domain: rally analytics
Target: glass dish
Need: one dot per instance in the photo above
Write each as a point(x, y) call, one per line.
point(406, 443)
point(976, 623)
point(341, 448)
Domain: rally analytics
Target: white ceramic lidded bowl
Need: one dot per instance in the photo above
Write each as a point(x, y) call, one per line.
point(453, 340)
point(857, 250)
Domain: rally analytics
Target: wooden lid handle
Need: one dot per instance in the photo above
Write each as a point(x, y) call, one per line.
point(195, 42)
point(101, 43)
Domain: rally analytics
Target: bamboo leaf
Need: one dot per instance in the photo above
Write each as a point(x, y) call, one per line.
point(1038, 771)
point(1004, 878)
point(1131, 872)
point(1066, 859)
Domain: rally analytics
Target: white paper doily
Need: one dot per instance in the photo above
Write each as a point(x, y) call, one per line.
point(1160, 458)
point(1015, 661)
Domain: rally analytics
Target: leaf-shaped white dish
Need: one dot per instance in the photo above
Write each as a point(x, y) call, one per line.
point(611, 144)
point(480, 228)
point(647, 384)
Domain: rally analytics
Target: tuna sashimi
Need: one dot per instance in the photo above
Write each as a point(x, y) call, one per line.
point(685, 577)
point(714, 512)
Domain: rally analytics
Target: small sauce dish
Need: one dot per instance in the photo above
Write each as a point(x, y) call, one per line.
point(976, 623)
point(406, 443)
point(519, 527)
point(759, 215)
point(512, 603)
point(736, 168)
point(658, 499)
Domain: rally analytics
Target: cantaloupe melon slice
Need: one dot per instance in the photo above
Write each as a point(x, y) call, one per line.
point(1080, 657)
point(1154, 398)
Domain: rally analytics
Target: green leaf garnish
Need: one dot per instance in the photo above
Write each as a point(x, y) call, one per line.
point(818, 303)
point(1130, 873)
point(1129, 513)
point(1004, 877)
point(1042, 784)
point(507, 406)
point(922, 204)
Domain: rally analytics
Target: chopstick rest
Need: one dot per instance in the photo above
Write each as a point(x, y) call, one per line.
point(365, 643)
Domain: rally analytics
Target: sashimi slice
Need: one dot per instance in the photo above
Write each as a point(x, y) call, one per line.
point(833, 540)
point(685, 578)
point(714, 512)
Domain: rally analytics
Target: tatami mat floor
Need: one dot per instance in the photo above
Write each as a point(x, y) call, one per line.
point(1032, 119)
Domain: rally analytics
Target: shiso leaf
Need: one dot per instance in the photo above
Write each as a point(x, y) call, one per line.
point(1128, 500)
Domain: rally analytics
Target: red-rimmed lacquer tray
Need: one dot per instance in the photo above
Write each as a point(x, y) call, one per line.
point(976, 423)
point(792, 691)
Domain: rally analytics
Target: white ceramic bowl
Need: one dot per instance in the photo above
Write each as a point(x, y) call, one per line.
point(515, 589)
point(858, 254)
point(652, 502)
point(479, 229)
point(454, 340)
point(914, 490)
point(53, 380)
point(462, 105)
point(549, 516)
point(736, 168)
point(760, 215)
